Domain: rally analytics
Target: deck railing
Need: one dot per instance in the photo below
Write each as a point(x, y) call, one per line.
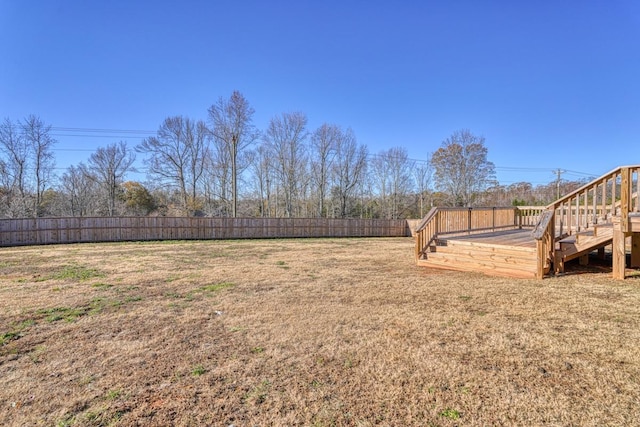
point(452, 221)
point(614, 194)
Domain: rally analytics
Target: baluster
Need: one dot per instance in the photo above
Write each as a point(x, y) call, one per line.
point(595, 204)
point(613, 195)
point(577, 213)
point(603, 212)
point(638, 190)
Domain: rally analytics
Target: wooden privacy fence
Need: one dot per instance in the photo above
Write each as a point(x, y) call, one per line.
point(36, 231)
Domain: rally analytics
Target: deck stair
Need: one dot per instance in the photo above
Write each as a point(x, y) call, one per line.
point(536, 241)
point(584, 242)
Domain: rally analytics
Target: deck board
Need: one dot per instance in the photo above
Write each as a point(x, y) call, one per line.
point(520, 238)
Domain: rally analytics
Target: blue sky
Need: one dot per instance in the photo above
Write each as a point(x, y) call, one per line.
point(548, 84)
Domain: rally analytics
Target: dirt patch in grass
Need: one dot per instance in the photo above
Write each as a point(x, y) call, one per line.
point(306, 332)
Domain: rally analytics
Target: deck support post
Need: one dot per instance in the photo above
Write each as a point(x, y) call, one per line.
point(619, 252)
point(541, 259)
point(584, 259)
point(635, 250)
point(558, 262)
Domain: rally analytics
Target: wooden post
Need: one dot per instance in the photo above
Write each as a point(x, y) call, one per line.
point(635, 250)
point(619, 252)
point(493, 219)
point(625, 202)
point(541, 258)
point(584, 259)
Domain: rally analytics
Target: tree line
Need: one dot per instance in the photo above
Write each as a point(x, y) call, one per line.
point(225, 166)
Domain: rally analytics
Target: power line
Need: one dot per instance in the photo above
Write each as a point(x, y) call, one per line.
point(98, 130)
point(78, 132)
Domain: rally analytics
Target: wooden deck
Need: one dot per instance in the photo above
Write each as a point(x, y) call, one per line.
point(537, 241)
point(518, 237)
point(511, 253)
point(504, 253)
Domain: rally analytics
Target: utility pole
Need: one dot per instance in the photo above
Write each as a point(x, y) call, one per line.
point(558, 173)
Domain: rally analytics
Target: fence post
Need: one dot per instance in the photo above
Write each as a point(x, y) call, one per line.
point(493, 219)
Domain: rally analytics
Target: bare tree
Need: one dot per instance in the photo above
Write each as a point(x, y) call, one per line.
point(78, 191)
point(285, 138)
point(40, 143)
point(217, 181)
point(198, 149)
point(15, 151)
point(423, 174)
point(348, 170)
point(461, 168)
point(393, 180)
point(108, 167)
point(177, 156)
point(262, 169)
point(232, 127)
point(323, 150)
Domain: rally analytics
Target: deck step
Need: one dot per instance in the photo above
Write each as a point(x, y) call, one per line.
point(502, 260)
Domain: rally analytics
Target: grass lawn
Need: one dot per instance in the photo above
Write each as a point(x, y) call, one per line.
point(313, 332)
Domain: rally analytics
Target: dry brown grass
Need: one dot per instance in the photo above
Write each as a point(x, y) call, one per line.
point(306, 332)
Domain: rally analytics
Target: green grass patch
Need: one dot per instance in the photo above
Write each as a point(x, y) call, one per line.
point(67, 421)
point(93, 307)
point(259, 393)
point(76, 272)
point(113, 394)
point(9, 336)
point(452, 414)
point(68, 314)
point(198, 370)
point(5, 264)
point(283, 265)
point(216, 287)
point(101, 285)
point(15, 332)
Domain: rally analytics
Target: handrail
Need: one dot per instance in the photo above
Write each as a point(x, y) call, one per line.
point(544, 233)
point(590, 184)
point(426, 233)
point(543, 224)
point(426, 219)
